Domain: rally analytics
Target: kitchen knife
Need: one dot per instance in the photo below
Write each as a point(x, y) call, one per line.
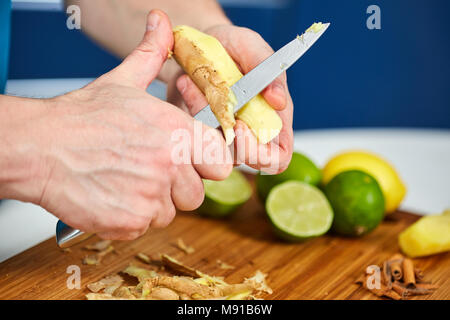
point(265, 73)
point(244, 90)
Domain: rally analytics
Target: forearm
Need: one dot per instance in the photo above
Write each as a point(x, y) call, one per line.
point(118, 25)
point(20, 171)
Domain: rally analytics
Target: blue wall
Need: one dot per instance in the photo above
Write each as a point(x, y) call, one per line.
point(396, 76)
point(43, 47)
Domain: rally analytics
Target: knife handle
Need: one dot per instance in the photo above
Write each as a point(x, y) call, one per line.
point(66, 236)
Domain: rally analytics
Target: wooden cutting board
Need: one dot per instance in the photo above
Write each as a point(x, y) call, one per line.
point(323, 268)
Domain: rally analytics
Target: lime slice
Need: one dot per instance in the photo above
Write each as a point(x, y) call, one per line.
point(224, 197)
point(298, 211)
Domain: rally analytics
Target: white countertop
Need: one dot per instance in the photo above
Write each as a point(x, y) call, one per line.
point(422, 157)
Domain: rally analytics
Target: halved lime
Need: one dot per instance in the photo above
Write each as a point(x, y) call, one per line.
point(224, 197)
point(298, 211)
point(301, 168)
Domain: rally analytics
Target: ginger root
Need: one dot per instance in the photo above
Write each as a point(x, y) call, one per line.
point(208, 64)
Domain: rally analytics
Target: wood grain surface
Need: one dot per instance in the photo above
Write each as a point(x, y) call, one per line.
point(323, 268)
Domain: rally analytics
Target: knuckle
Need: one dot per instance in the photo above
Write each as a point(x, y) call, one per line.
point(161, 157)
point(282, 166)
point(102, 222)
point(248, 31)
point(107, 236)
point(283, 161)
point(170, 167)
point(164, 217)
point(192, 199)
point(225, 171)
point(252, 34)
point(123, 236)
point(131, 223)
point(170, 214)
point(198, 195)
point(139, 223)
point(150, 48)
point(213, 137)
point(132, 235)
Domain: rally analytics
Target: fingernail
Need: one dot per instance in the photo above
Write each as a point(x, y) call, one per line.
point(153, 21)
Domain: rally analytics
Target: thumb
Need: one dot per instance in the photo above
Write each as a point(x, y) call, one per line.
point(142, 65)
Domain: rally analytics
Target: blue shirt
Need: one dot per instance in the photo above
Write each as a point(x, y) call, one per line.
point(5, 21)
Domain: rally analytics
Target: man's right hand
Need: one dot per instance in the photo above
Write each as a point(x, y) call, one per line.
point(107, 151)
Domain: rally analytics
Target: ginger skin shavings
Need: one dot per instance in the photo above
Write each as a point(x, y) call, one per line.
point(103, 248)
point(96, 258)
point(109, 284)
point(191, 285)
point(183, 247)
point(99, 246)
point(144, 258)
point(225, 266)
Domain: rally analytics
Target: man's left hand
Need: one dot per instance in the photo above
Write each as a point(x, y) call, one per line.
point(248, 49)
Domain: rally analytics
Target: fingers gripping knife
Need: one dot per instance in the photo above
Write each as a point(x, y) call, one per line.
point(245, 89)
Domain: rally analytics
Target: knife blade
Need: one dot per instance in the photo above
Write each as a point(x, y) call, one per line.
point(265, 73)
point(66, 236)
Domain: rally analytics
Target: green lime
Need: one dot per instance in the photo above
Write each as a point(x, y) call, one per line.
point(298, 211)
point(357, 201)
point(224, 197)
point(301, 168)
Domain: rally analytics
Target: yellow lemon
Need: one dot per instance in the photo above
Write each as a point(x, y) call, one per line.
point(391, 185)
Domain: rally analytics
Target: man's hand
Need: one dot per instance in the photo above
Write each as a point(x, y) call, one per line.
point(248, 49)
point(106, 152)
